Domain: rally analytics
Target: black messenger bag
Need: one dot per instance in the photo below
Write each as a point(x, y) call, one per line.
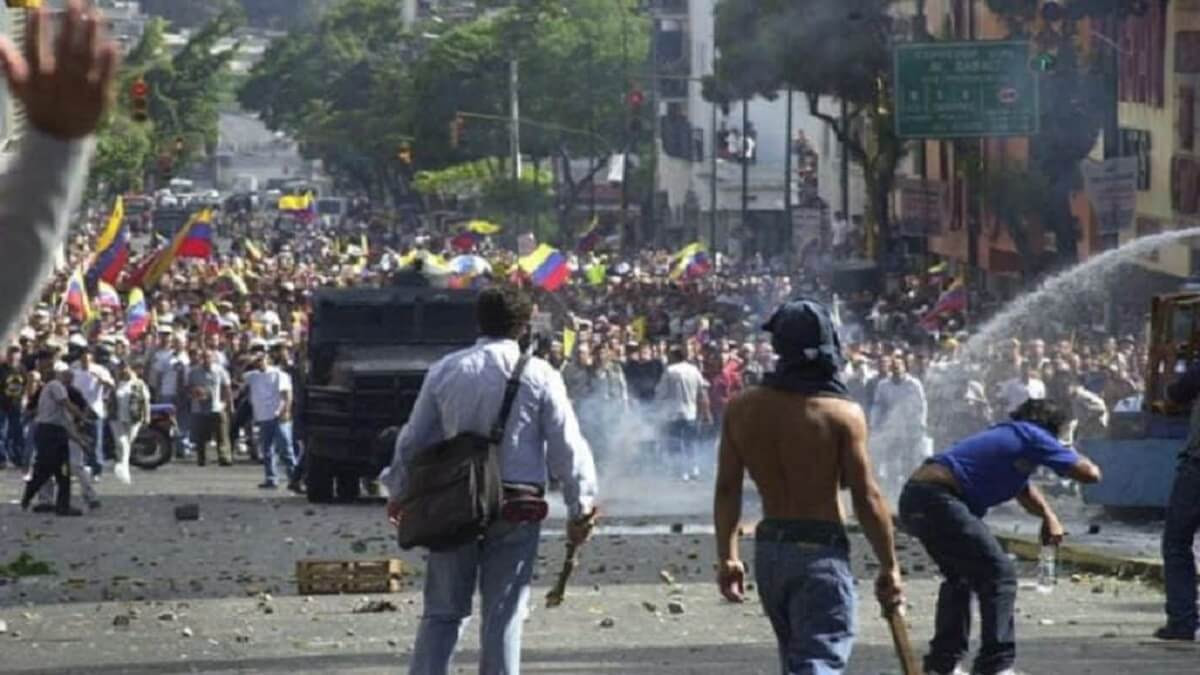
point(454, 492)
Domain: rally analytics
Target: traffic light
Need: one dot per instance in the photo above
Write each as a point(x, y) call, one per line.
point(140, 107)
point(179, 145)
point(457, 126)
point(404, 154)
point(635, 99)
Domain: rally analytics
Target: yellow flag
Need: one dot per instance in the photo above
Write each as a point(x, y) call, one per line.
point(114, 225)
point(568, 342)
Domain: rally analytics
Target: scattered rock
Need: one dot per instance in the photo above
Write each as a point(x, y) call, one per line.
point(1045, 622)
point(393, 642)
point(349, 632)
point(267, 609)
point(1108, 635)
point(187, 512)
point(650, 607)
point(186, 632)
point(167, 616)
point(1098, 589)
point(675, 607)
point(607, 622)
point(666, 577)
point(676, 528)
point(1094, 528)
point(375, 606)
point(120, 621)
point(1076, 578)
point(242, 638)
point(3, 627)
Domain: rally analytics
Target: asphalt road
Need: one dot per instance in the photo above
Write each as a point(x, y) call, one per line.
point(219, 596)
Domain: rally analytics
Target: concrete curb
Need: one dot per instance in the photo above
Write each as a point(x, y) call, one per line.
point(1084, 558)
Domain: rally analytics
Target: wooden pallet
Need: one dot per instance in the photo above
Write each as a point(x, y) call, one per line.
point(322, 577)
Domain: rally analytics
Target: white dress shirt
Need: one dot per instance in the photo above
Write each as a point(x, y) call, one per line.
point(464, 391)
point(266, 392)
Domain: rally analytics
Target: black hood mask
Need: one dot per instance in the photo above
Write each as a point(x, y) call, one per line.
point(809, 349)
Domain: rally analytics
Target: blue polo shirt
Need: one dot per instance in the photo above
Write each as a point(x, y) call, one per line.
point(993, 466)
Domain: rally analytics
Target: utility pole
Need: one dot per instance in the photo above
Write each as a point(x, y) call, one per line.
point(514, 106)
point(651, 221)
point(745, 165)
point(628, 120)
point(845, 163)
point(787, 176)
point(712, 181)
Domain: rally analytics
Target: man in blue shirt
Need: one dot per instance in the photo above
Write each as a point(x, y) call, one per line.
point(1183, 519)
point(943, 505)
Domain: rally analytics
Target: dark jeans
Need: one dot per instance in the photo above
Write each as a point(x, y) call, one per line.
point(1179, 533)
point(807, 592)
point(971, 562)
point(51, 462)
point(681, 444)
point(12, 436)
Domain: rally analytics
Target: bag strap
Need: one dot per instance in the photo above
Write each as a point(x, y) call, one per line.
point(510, 396)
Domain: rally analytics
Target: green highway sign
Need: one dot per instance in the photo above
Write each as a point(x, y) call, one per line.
point(965, 89)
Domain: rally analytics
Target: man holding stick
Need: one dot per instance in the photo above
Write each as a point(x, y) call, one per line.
point(801, 436)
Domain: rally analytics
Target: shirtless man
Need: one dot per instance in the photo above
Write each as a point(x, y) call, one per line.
point(801, 436)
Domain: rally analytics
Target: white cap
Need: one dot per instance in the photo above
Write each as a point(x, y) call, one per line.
point(77, 340)
point(28, 333)
point(61, 367)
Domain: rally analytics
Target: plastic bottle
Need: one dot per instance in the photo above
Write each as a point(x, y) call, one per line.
point(1047, 568)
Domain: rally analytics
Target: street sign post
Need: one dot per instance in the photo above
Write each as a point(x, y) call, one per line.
point(965, 89)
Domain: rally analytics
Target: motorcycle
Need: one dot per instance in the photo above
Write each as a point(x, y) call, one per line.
point(155, 442)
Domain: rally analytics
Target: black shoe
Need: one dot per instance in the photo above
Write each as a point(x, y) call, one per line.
point(225, 462)
point(1178, 634)
point(296, 487)
point(93, 505)
point(267, 486)
point(68, 512)
point(43, 508)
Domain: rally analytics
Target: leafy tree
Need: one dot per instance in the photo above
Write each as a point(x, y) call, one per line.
point(823, 48)
point(1073, 100)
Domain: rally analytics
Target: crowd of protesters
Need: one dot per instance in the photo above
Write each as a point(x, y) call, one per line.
point(635, 343)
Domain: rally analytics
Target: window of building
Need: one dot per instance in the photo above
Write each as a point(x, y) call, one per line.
point(1142, 59)
point(1136, 143)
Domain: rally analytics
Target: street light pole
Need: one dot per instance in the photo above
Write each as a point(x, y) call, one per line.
point(787, 176)
point(712, 181)
point(745, 164)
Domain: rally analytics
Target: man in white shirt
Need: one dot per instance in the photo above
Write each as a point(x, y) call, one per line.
point(1018, 390)
point(94, 382)
point(464, 392)
point(55, 414)
point(270, 392)
point(682, 397)
point(899, 415)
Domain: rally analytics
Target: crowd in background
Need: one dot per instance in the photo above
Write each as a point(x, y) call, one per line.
point(635, 344)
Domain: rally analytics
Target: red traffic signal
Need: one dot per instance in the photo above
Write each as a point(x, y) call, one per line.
point(635, 98)
point(140, 106)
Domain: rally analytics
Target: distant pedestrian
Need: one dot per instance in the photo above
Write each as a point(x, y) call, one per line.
point(55, 414)
point(270, 391)
point(682, 397)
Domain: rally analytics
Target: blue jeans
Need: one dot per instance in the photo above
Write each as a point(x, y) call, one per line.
point(502, 566)
point(807, 592)
point(971, 562)
point(12, 437)
point(276, 436)
point(1179, 533)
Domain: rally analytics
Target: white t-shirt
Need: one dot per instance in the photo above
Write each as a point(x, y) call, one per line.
point(91, 383)
point(51, 406)
point(174, 376)
point(267, 388)
point(678, 391)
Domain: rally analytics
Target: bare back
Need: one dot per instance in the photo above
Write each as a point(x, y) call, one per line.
point(792, 445)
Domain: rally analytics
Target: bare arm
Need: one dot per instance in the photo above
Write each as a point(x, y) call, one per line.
point(727, 500)
point(1085, 471)
point(1034, 503)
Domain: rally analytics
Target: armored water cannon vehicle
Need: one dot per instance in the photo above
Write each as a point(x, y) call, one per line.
point(368, 352)
point(1147, 434)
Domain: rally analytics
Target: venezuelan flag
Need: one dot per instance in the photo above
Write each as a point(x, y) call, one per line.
point(155, 267)
point(106, 296)
point(137, 319)
point(546, 266)
point(112, 248)
point(591, 237)
point(691, 262)
point(231, 283)
point(302, 207)
point(76, 297)
point(210, 318)
point(483, 227)
point(198, 238)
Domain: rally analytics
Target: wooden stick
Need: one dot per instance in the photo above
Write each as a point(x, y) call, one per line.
point(555, 597)
point(904, 651)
